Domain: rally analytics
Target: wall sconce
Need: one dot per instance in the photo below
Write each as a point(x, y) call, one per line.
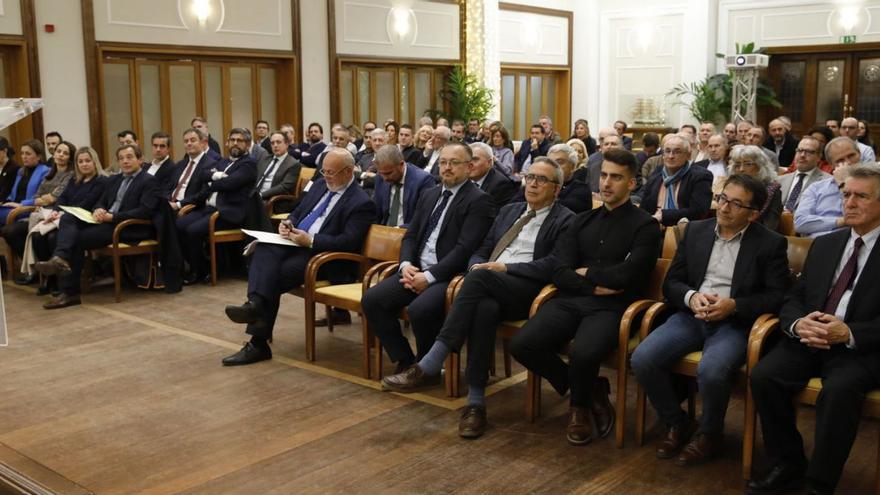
point(645, 38)
point(400, 23)
point(202, 9)
point(848, 19)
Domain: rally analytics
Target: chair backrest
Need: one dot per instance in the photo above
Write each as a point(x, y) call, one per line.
point(670, 242)
point(383, 243)
point(658, 275)
point(786, 224)
point(305, 175)
point(798, 247)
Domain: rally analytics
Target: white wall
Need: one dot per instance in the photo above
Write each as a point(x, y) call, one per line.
point(10, 17)
point(315, 64)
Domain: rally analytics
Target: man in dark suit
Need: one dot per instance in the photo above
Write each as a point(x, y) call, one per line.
point(279, 173)
point(536, 145)
point(261, 135)
point(716, 157)
point(428, 160)
point(201, 124)
point(402, 184)
point(186, 181)
point(506, 274)
point(830, 322)
point(162, 167)
point(225, 189)
point(405, 141)
point(677, 190)
point(491, 179)
point(449, 224)
point(727, 271)
point(574, 194)
point(601, 266)
point(308, 152)
point(781, 142)
point(608, 139)
point(627, 142)
point(335, 215)
point(807, 173)
point(131, 194)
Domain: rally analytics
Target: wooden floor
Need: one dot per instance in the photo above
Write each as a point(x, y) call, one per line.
point(131, 398)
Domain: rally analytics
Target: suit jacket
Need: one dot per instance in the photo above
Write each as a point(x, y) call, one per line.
point(499, 186)
point(694, 195)
point(258, 154)
point(541, 267)
point(468, 217)
point(414, 184)
point(7, 177)
point(760, 272)
point(525, 150)
point(411, 154)
point(346, 226)
point(627, 142)
point(232, 191)
point(165, 173)
point(811, 291)
point(423, 162)
point(266, 145)
point(786, 154)
point(213, 145)
point(140, 201)
point(786, 181)
point(285, 177)
point(308, 154)
point(196, 179)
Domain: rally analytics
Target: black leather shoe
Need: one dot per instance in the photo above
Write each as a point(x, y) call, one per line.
point(249, 354)
point(473, 422)
point(675, 439)
point(196, 278)
point(603, 411)
point(62, 301)
point(781, 478)
point(55, 266)
point(250, 312)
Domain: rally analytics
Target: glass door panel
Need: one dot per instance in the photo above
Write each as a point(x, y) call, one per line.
point(829, 89)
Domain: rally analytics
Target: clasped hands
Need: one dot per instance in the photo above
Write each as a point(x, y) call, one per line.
point(300, 237)
point(711, 307)
point(102, 216)
point(821, 330)
point(413, 279)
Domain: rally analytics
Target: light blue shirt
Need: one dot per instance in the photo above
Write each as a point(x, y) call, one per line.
point(867, 153)
point(820, 206)
point(316, 225)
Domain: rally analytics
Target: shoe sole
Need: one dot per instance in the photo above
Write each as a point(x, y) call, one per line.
point(239, 316)
point(245, 364)
point(62, 305)
point(470, 435)
point(394, 388)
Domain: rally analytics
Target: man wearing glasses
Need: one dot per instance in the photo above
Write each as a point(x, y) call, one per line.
point(505, 276)
point(677, 190)
point(806, 161)
point(821, 206)
point(727, 271)
point(449, 224)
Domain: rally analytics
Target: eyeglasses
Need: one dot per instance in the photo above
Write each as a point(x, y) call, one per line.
point(538, 179)
point(806, 152)
point(735, 204)
point(673, 152)
point(451, 163)
point(326, 172)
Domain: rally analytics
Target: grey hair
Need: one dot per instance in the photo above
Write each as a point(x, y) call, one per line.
point(560, 177)
point(342, 153)
point(684, 139)
point(755, 154)
point(568, 150)
point(240, 130)
point(378, 132)
point(389, 153)
point(443, 131)
point(840, 140)
point(723, 138)
point(485, 148)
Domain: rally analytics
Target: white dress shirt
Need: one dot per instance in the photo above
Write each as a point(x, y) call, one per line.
point(182, 193)
point(522, 248)
point(316, 225)
point(428, 256)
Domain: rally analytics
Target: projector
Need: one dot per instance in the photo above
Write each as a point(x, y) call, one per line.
point(747, 61)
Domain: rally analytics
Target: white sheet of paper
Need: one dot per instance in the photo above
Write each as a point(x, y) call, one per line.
point(269, 237)
point(82, 214)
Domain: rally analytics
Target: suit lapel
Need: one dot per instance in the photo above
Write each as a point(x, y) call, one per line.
point(867, 277)
point(458, 198)
point(748, 250)
point(826, 273)
point(340, 204)
point(703, 250)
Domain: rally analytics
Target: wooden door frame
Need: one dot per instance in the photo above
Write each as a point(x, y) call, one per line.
point(563, 98)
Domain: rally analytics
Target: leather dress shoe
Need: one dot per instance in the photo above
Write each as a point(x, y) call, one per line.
point(473, 421)
point(702, 448)
point(781, 477)
point(579, 431)
point(250, 312)
point(62, 301)
point(25, 279)
point(676, 437)
point(338, 316)
point(409, 380)
point(249, 354)
point(603, 411)
point(55, 266)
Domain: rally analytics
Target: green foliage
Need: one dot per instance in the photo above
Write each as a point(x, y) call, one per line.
point(465, 98)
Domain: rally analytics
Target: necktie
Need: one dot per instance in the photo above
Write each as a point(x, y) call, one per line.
point(795, 192)
point(184, 178)
point(511, 234)
point(307, 222)
point(435, 219)
point(121, 194)
point(394, 210)
point(845, 280)
point(267, 173)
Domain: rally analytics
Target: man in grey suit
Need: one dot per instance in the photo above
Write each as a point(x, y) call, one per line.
point(806, 158)
point(257, 152)
point(278, 173)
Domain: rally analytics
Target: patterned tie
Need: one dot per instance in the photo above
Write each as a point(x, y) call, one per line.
point(183, 179)
point(845, 280)
point(435, 219)
point(511, 234)
point(307, 222)
point(394, 210)
point(795, 192)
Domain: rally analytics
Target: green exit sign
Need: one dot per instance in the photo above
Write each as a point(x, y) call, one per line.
point(848, 39)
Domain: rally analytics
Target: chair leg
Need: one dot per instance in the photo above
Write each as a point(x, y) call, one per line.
point(505, 345)
point(365, 332)
point(640, 415)
point(448, 364)
point(117, 276)
point(377, 349)
point(533, 396)
point(620, 426)
point(749, 434)
point(492, 371)
point(328, 313)
point(310, 327)
point(213, 248)
point(877, 472)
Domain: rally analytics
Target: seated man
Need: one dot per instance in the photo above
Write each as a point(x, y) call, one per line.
point(162, 167)
point(626, 141)
point(821, 206)
point(755, 137)
point(536, 145)
point(431, 153)
point(807, 172)
point(402, 184)
point(405, 137)
point(449, 224)
point(307, 153)
point(279, 173)
point(829, 326)
point(335, 215)
point(186, 180)
point(506, 274)
point(225, 189)
point(131, 194)
point(849, 127)
point(491, 180)
point(781, 142)
point(574, 194)
point(716, 157)
point(601, 267)
point(608, 139)
point(727, 271)
point(677, 190)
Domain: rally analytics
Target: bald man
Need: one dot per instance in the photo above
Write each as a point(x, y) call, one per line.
point(781, 142)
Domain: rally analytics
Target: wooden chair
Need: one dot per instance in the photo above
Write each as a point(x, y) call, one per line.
point(117, 249)
point(671, 237)
point(647, 309)
point(305, 175)
point(215, 237)
point(798, 247)
point(10, 253)
point(381, 250)
point(786, 224)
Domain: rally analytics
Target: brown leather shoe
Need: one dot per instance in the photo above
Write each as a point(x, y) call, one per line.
point(409, 380)
point(700, 449)
point(339, 317)
point(603, 411)
point(62, 301)
point(55, 266)
point(579, 431)
point(473, 422)
point(676, 437)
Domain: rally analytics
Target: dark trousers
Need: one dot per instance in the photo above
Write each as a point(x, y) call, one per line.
point(274, 270)
point(382, 305)
point(193, 229)
point(785, 371)
point(44, 245)
point(15, 235)
point(593, 327)
point(485, 299)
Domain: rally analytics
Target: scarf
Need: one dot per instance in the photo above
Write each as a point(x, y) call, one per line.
point(670, 181)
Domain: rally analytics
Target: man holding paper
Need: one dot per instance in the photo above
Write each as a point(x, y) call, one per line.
point(335, 215)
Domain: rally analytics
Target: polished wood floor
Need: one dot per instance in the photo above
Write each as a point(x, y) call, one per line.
point(131, 398)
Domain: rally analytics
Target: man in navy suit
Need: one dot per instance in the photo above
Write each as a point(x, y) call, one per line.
point(335, 215)
point(131, 194)
point(830, 323)
point(449, 224)
point(226, 189)
point(162, 167)
point(186, 181)
point(530, 149)
point(506, 274)
point(491, 179)
point(677, 190)
point(308, 152)
point(402, 184)
point(213, 146)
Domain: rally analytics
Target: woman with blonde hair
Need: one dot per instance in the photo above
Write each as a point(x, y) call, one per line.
point(578, 146)
point(426, 132)
point(751, 160)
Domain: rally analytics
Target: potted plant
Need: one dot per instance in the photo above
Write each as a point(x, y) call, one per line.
point(464, 98)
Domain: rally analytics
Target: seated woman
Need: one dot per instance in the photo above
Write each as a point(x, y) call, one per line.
point(581, 132)
point(50, 188)
point(28, 179)
point(751, 160)
point(502, 148)
point(83, 192)
point(424, 135)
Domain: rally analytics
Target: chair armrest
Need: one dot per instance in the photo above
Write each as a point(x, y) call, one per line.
point(318, 261)
point(548, 292)
point(186, 209)
point(757, 339)
point(389, 270)
point(648, 320)
point(375, 273)
point(15, 213)
point(452, 290)
point(270, 205)
point(626, 320)
point(212, 224)
point(117, 231)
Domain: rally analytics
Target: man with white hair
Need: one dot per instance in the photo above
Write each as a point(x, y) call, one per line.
point(755, 137)
point(491, 179)
point(428, 160)
point(677, 190)
point(849, 127)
